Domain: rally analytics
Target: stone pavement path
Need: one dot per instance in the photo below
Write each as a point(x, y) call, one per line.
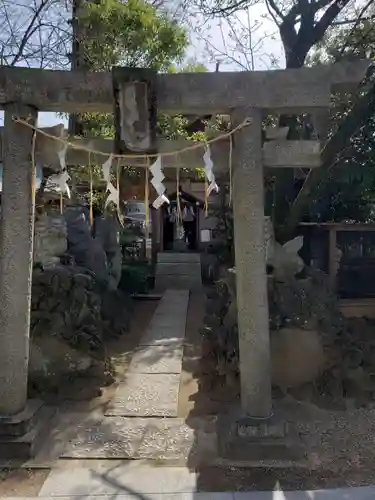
point(144, 482)
point(141, 422)
point(151, 389)
point(135, 429)
point(140, 481)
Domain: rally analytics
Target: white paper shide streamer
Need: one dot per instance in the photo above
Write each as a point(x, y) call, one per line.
point(60, 181)
point(157, 182)
point(209, 171)
point(114, 194)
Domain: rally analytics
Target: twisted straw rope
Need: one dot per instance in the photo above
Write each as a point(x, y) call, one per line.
point(192, 147)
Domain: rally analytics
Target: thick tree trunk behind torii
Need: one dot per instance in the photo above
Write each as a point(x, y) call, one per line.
point(302, 14)
point(363, 108)
point(78, 60)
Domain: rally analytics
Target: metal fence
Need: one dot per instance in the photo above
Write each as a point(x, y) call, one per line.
point(355, 275)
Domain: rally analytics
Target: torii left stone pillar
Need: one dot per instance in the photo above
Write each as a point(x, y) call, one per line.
point(21, 422)
point(16, 258)
point(251, 277)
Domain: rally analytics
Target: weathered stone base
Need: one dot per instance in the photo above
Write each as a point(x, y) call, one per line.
point(248, 440)
point(20, 434)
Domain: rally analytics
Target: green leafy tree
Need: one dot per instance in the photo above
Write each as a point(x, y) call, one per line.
point(349, 190)
point(132, 33)
point(302, 26)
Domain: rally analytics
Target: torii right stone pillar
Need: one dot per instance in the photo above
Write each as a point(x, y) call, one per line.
point(251, 276)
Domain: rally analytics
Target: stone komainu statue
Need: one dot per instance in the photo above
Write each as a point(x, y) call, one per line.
point(284, 259)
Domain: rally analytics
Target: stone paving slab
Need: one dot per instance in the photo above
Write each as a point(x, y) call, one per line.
point(362, 493)
point(359, 493)
point(179, 324)
point(176, 292)
point(179, 281)
point(155, 484)
point(175, 296)
point(171, 309)
point(178, 257)
point(173, 317)
point(168, 323)
point(157, 359)
point(146, 395)
point(365, 493)
point(150, 496)
point(167, 439)
point(152, 388)
point(132, 478)
point(189, 268)
point(173, 304)
point(168, 318)
point(163, 336)
point(155, 325)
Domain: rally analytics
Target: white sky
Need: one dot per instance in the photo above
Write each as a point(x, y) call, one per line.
point(211, 49)
point(209, 45)
point(265, 38)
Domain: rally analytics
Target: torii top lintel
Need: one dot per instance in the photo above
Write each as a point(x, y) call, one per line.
point(78, 91)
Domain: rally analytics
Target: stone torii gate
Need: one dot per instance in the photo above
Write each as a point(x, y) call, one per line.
point(24, 92)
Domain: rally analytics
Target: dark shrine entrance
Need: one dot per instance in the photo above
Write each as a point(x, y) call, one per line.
point(181, 222)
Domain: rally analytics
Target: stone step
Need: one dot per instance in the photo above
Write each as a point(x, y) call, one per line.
point(164, 281)
point(188, 268)
point(174, 257)
point(178, 271)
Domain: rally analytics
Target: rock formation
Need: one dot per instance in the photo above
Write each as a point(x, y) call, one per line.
point(76, 306)
point(72, 317)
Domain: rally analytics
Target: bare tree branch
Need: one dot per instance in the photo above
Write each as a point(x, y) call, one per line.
point(358, 21)
point(274, 10)
point(34, 33)
point(31, 29)
point(272, 14)
point(327, 19)
point(344, 22)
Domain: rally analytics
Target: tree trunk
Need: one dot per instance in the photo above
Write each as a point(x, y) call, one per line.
point(284, 178)
point(78, 61)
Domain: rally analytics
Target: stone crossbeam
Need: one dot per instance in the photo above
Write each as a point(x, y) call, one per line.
point(296, 154)
point(188, 93)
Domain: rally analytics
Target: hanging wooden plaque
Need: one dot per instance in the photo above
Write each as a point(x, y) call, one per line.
point(135, 110)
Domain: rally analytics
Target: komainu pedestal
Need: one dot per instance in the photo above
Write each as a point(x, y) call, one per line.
point(250, 440)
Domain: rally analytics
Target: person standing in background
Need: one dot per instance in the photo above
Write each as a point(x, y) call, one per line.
point(188, 219)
